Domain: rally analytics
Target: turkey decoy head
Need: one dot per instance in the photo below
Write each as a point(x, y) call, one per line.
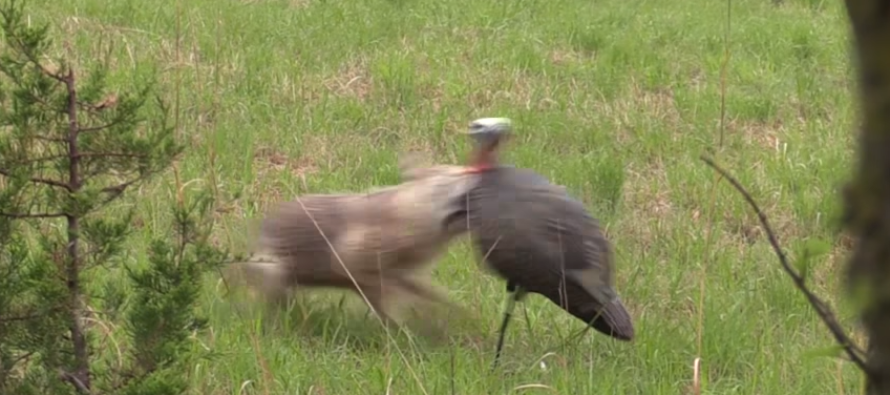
point(488, 133)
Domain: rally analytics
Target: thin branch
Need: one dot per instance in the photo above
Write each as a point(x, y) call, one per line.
point(50, 139)
point(102, 127)
point(103, 155)
point(31, 215)
point(38, 180)
point(21, 358)
point(20, 318)
point(29, 316)
point(7, 370)
point(99, 155)
point(117, 190)
point(822, 309)
point(76, 382)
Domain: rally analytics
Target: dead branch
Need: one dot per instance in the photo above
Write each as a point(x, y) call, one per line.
point(853, 351)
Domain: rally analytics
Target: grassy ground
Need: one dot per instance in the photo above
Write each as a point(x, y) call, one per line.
point(614, 99)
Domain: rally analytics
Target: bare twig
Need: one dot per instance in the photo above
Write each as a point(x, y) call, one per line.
point(828, 317)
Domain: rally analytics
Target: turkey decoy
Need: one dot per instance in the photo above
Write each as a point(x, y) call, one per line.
point(539, 239)
point(387, 240)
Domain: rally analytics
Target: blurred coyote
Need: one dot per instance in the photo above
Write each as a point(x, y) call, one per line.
point(384, 241)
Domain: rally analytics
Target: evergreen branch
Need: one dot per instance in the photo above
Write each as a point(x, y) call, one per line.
point(47, 72)
point(32, 58)
point(22, 48)
point(38, 180)
point(825, 314)
point(39, 100)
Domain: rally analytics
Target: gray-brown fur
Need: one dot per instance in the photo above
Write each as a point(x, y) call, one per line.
point(385, 240)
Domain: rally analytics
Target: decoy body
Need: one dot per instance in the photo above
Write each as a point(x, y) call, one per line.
point(383, 242)
point(531, 233)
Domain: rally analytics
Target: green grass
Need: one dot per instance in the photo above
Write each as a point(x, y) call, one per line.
point(613, 99)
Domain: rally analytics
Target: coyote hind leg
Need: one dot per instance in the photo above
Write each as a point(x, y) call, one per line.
point(426, 291)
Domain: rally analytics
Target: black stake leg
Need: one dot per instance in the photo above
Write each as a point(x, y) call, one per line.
point(508, 312)
point(497, 354)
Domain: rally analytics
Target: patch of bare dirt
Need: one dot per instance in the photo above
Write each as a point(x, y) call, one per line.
point(567, 56)
point(353, 79)
point(766, 135)
point(655, 105)
point(512, 89)
point(658, 103)
point(269, 159)
point(647, 195)
point(293, 3)
point(647, 190)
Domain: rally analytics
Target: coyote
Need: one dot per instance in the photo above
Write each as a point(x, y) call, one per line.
point(383, 242)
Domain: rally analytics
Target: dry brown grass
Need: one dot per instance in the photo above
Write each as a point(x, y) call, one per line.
point(353, 79)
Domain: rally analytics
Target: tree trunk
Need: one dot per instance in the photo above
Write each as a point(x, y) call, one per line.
point(868, 194)
point(81, 371)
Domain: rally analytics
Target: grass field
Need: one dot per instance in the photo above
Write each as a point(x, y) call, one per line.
point(615, 100)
